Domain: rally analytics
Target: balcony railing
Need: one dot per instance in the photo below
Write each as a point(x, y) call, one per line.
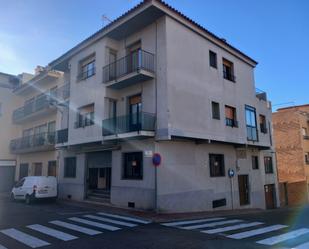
point(306, 137)
point(33, 142)
point(62, 136)
point(129, 123)
point(133, 62)
point(43, 101)
point(231, 122)
point(261, 95)
point(229, 76)
point(86, 74)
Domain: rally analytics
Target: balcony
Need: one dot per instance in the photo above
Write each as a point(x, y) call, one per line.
point(139, 124)
point(131, 69)
point(229, 76)
point(33, 143)
point(231, 122)
point(42, 105)
point(62, 136)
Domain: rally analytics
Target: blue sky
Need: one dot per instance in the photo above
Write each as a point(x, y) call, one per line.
point(275, 33)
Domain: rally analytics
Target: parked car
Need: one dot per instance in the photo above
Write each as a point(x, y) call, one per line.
point(35, 187)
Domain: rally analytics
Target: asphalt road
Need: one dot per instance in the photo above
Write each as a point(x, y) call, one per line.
point(57, 225)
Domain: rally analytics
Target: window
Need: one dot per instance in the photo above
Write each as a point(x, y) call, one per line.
point(212, 59)
point(255, 162)
point(87, 68)
point(230, 116)
point(85, 116)
point(70, 167)
point(133, 165)
point(307, 157)
point(305, 133)
point(268, 163)
point(228, 70)
point(251, 124)
point(37, 169)
point(215, 110)
point(52, 168)
point(263, 125)
point(216, 165)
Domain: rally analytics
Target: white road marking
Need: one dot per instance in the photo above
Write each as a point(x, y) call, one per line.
point(2, 247)
point(52, 232)
point(213, 224)
point(125, 218)
point(255, 232)
point(180, 223)
point(302, 246)
point(122, 223)
point(231, 228)
point(24, 238)
point(95, 224)
point(74, 227)
point(283, 237)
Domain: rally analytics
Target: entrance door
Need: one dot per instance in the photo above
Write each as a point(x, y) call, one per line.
point(23, 170)
point(37, 171)
point(135, 108)
point(270, 196)
point(93, 178)
point(243, 185)
point(104, 178)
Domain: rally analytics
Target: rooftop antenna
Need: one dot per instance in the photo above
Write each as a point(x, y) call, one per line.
point(105, 19)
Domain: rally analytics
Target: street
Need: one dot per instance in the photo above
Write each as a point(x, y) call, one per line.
point(59, 225)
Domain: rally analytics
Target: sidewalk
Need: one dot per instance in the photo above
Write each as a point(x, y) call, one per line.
point(160, 217)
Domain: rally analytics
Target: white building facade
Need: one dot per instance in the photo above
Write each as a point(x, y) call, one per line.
point(153, 81)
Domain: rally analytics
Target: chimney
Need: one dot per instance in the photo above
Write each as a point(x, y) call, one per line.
point(38, 70)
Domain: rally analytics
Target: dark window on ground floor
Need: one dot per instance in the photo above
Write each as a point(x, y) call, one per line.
point(133, 165)
point(52, 168)
point(70, 167)
point(216, 164)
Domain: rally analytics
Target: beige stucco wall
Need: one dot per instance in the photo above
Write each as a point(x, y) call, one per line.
point(9, 102)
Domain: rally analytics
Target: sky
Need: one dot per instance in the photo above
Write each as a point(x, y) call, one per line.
point(275, 33)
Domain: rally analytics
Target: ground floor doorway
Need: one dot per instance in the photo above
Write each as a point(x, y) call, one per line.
point(244, 193)
point(270, 196)
point(99, 176)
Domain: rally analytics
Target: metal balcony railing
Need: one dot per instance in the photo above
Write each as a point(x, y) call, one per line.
point(42, 101)
point(261, 95)
point(229, 76)
point(141, 121)
point(86, 74)
point(231, 122)
point(133, 62)
point(62, 136)
point(306, 137)
point(33, 141)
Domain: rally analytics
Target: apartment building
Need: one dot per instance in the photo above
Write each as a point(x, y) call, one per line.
point(7, 129)
point(291, 126)
point(154, 81)
point(38, 100)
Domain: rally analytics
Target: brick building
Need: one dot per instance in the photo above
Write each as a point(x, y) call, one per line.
point(291, 126)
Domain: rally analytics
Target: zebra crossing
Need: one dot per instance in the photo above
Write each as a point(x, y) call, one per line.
point(259, 232)
point(74, 228)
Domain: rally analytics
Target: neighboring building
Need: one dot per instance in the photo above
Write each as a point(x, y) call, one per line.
point(38, 102)
point(291, 133)
point(154, 81)
point(8, 102)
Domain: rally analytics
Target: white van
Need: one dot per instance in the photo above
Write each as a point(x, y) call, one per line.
point(35, 187)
